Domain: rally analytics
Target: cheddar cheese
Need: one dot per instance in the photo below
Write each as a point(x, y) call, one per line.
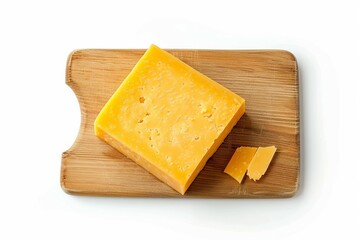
point(168, 118)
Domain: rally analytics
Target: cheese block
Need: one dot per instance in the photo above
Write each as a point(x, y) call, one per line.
point(168, 118)
point(239, 162)
point(260, 162)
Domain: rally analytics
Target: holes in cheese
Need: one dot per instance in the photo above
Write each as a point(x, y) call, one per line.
point(168, 118)
point(254, 161)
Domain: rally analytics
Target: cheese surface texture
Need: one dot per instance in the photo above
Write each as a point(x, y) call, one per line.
point(168, 118)
point(239, 162)
point(260, 162)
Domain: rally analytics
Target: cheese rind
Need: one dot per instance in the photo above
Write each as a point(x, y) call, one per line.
point(260, 162)
point(239, 162)
point(168, 118)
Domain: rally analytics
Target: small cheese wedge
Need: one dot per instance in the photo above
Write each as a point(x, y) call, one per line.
point(168, 118)
point(260, 162)
point(239, 162)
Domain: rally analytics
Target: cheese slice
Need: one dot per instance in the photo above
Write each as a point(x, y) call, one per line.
point(239, 162)
point(260, 162)
point(168, 118)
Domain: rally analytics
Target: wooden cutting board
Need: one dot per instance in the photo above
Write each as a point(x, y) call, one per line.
point(268, 81)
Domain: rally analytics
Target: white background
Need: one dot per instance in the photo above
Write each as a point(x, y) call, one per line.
point(40, 117)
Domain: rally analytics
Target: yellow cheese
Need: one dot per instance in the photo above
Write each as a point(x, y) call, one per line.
point(239, 162)
point(168, 118)
point(260, 162)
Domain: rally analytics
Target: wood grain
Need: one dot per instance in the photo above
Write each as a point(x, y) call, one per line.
point(268, 80)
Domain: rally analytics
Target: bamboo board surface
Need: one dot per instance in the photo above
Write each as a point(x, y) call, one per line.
point(267, 80)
